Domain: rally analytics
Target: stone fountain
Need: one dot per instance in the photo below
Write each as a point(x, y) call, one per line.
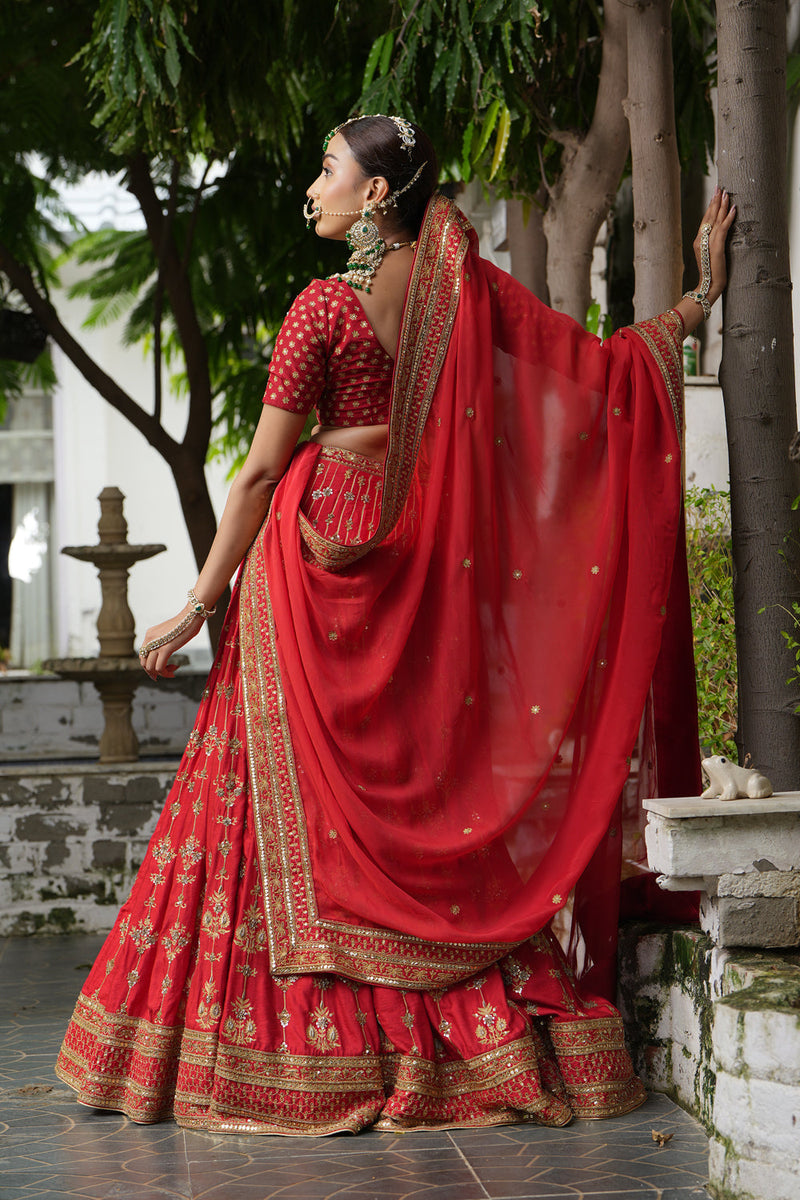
point(116, 672)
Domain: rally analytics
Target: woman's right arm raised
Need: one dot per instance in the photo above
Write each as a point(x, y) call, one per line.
point(248, 500)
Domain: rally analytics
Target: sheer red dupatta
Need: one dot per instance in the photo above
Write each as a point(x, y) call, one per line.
point(440, 720)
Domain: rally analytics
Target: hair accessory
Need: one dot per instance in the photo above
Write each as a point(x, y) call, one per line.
point(318, 211)
point(405, 130)
point(198, 610)
point(701, 295)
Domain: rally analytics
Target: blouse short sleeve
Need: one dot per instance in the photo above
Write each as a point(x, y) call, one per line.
point(298, 366)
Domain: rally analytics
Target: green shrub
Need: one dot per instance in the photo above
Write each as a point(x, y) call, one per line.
point(708, 544)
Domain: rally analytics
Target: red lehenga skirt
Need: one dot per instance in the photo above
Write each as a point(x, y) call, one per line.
point(181, 1015)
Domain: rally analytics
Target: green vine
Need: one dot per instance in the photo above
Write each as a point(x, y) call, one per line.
point(708, 544)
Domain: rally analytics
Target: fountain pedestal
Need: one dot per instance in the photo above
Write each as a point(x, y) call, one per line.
point(116, 672)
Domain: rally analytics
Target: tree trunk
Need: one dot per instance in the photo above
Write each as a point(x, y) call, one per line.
point(528, 245)
point(757, 377)
point(198, 513)
point(584, 193)
point(186, 461)
point(650, 109)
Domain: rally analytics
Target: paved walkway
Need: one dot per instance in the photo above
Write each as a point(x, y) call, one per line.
point(52, 1148)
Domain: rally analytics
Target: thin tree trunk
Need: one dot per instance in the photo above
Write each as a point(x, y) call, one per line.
point(201, 523)
point(650, 108)
point(757, 377)
point(584, 193)
point(186, 461)
point(528, 245)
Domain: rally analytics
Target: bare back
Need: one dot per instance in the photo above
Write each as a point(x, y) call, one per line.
point(383, 307)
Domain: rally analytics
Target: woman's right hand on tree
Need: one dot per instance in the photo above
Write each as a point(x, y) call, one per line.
point(719, 215)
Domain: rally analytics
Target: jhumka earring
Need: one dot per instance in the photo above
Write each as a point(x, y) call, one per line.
point(367, 249)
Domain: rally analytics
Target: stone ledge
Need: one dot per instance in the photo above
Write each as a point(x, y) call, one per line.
point(744, 855)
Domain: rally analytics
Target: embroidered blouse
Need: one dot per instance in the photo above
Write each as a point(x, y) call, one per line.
point(327, 356)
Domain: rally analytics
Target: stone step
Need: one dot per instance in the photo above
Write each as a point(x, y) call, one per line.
point(719, 1031)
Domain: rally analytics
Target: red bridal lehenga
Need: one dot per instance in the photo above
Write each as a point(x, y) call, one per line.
point(406, 766)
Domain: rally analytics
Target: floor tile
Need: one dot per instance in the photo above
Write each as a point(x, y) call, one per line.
point(53, 1149)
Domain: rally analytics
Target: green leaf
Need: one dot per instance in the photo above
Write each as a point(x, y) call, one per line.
point(171, 57)
point(373, 59)
point(146, 63)
point(466, 143)
point(386, 52)
point(442, 64)
point(453, 75)
point(487, 128)
point(503, 132)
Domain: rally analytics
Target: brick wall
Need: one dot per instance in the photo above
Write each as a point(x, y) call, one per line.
point(45, 718)
point(71, 840)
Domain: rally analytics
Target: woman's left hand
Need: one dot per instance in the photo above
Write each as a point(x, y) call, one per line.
point(157, 661)
point(719, 215)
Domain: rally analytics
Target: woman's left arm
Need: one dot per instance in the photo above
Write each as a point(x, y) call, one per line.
point(719, 215)
point(247, 504)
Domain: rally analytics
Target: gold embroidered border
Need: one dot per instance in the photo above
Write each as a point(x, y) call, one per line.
point(447, 1079)
point(428, 318)
point(663, 336)
point(150, 1071)
point(299, 941)
point(352, 458)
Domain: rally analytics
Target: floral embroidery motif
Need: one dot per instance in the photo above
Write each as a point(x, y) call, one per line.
point(491, 1028)
point(321, 1033)
point(240, 1026)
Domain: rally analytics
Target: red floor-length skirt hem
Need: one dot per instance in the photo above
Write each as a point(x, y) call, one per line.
point(182, 1017)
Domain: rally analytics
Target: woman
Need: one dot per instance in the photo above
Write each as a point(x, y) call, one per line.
point(431, 678)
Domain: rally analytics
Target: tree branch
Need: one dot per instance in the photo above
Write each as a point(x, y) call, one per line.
point(585, 191)
point(158, 302)
point(23, 282)
point(176, 283)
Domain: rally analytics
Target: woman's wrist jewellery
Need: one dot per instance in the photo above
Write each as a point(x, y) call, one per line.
point(701, 295)
point(198, 609)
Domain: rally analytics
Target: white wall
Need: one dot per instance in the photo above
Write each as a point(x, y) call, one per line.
point(97, 448)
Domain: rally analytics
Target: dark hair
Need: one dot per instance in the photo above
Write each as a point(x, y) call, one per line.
point(377, 148)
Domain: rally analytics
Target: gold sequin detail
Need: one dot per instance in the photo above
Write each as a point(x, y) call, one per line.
point(467, 563)
point(470, 412)
point(557, 899)
point(536, 709)
point(517, 573)
point(595, 570)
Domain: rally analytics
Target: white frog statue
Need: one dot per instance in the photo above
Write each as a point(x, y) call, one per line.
point(728, 781)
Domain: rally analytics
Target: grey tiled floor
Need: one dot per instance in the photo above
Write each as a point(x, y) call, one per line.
point(51, 1148)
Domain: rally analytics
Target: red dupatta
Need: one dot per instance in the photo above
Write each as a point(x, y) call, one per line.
point(440, 720)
